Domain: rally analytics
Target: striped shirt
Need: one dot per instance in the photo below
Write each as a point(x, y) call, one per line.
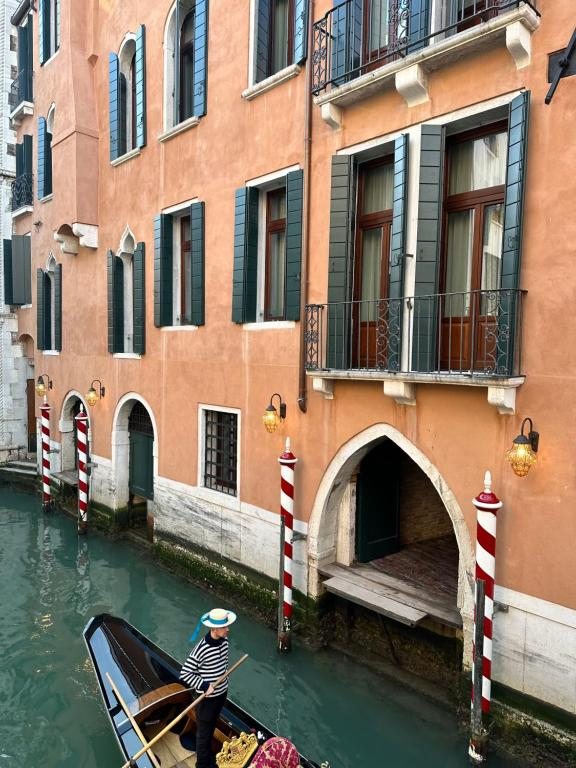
point(207, 662)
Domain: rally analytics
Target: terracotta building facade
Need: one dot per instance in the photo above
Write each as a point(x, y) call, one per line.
point(363, 207)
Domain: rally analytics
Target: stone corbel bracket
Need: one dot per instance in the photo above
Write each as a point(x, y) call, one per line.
point(72, 237)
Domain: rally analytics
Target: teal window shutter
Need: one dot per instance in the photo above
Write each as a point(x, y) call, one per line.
point(141, 86)
point(397, 253)
point(7, 260)
point(27, 153)
point(245, 255)
point(518, 120)
point(41, 156)
point(47, 283)
point(58, 307)
point(300, 30)
point(115, 303)
point(200, 57)
point(163, 260)
point(19, 159)
point(114, 100)
point(340, 262)
point(41, 341)
point(425, 322)
point(139, 299)
point(123, 116)
point(43, 34)
point(25, 61)
point(419, 24)
point(197, 257)
point(262, 39)
point(20, 270)
point(294, 193)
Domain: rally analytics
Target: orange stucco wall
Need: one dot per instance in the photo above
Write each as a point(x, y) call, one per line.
point(224, 364)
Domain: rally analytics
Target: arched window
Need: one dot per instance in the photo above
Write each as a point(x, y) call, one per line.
point(48, 28)
point(126, 299)
point(45, 132)
point(127, 58)
point(185, 42)
point(126, 255)
point(49, 305)
point(50, 299)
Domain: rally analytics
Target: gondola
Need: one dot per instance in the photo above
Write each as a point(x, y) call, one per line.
point(142, 693)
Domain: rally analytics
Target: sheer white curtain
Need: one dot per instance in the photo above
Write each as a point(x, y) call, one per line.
point(478, 164)
point(280, 42)
point(459, 263)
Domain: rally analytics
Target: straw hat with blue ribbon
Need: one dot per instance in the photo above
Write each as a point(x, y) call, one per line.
point(214, 619)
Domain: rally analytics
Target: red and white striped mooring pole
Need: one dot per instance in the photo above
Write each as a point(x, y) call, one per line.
point(287, 461)
point(83, 484)
point(487, 504)
point(45, 429)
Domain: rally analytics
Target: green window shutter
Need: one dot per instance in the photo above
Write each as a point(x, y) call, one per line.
point(7, 259)
point(27, 154)
point(425, 322)
point(163, 259)
point(245, 255)
point(300, 30)
point(48, 164)
point(200, 57)
point(41, 341)
point(178, 18)
point(41, 156)
point(123, 116)
point(42, 38)
point(397, 252)
point(115, 303)
point(141, 86)
point(294, 193)
point(114, 105)
point(139, 299)
point(518, 121)
point(197, 257)
point(47, 284)
point(262, 40)
point(30, 64)
point(58, 307)
point(19, 160)
point(340, 262)
point(25, 61)
point(20, 270)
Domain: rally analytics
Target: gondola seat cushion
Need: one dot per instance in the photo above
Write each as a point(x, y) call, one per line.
point(276, 753)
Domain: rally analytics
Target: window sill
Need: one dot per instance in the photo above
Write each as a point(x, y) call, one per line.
point(180, 128)
point(127, 355)
point(217, 497)
point(179, 328)
point(23, 210)
point(271, 82)
point(51, 58)
point(126, 156)
point(22, 110)
point(51, 352)
point(269, 325)
point(46, 198)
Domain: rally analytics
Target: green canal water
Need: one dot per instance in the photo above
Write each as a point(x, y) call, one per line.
point(51, 715)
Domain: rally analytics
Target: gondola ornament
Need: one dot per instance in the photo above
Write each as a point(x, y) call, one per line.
point(237, 752)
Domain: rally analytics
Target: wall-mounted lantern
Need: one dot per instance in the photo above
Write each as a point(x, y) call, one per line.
point(43, 387)
point(272, 417)
point(522, 455)
point(93, 395)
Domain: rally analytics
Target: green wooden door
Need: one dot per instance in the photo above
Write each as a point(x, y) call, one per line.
point(377, 503)
point(141, 482)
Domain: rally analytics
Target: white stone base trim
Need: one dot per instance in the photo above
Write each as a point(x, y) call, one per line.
point(271, 82)
point(412, 85)
point(403, 392)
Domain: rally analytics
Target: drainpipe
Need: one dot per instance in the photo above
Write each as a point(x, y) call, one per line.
point(302, 382)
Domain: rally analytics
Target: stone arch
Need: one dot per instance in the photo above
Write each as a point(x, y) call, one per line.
point(50, 119)
point(121, 445)
point(66, 428)
point(331, 494)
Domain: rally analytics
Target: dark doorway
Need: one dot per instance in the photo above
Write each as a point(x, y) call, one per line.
point(141, 468)
point(378, 497)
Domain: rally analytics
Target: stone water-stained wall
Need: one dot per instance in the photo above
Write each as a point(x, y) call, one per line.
point(423, 516)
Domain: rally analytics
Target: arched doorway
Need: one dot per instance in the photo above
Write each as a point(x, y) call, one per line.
point(69, 433)
point(141, 454)
point(384, 513)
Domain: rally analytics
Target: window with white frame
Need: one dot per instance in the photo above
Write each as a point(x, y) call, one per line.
point(220, 450)
point(126, 255)
point(181, 268)
point(127, 84)
point(49, 28)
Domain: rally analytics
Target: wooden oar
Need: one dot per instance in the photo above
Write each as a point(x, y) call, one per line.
point(135, 725)
point(179, 717)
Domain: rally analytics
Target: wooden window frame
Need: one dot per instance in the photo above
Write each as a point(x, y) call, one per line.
point(214, 481)
point(273, 226)
point(290, 41)
point(186, 51)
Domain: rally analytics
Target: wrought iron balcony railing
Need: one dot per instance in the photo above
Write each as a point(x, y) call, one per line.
point(477, 333)
point(21, 88)
point(357, 36)
point(22, 191)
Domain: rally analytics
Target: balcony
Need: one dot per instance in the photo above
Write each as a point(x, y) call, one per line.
point(363, 47)
point(22, 195)
point(20, 96)
point(471, 339)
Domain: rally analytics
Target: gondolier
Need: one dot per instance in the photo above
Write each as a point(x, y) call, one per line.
point(207, 662)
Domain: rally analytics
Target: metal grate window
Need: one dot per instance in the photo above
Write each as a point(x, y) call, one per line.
point(221, 451)
point(139, 420)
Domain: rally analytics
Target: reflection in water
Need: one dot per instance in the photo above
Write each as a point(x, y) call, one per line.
point(51, 715)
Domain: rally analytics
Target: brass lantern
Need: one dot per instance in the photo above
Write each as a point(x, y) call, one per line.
point(272, 417)
point(93, 395)
point(522, 455)
point(41, 387)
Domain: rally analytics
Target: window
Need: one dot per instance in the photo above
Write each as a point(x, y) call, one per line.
point(127, 95)
point(185, 63)
point(45, 132)
point(472, 248)
point(13, 44)
point(267, 250)
point(49, 305)
point(280, 35)
point(179, 267)
point(126, 299)
point(127, 60)
point(48, 28)
point(221, 451)
point(11, 150)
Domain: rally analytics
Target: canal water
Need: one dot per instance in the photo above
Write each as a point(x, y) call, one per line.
point(51, 715)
